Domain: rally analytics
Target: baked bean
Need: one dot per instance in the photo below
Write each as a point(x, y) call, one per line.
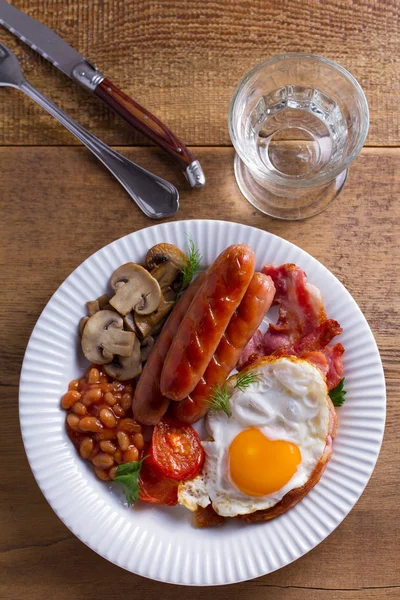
point(131, 454)
point(107, 418)
point(138, 441)
point(95, 452)
point(123, 440)
point(110, 398)
point(103, 475)
point(117, 386)
point(92, 396)
point(129, 426)
point(94, 376)
point(73, 421)
point(103, 461)
point(102, 408)
point(107, 447)
point(126, 401)
point(86, 401)
point(112, 472)
point(90, 424)
point(79, 409)
point(106, 434)
point(118, 456)
point(70, 398)
point(118, 410)
point(86, 448)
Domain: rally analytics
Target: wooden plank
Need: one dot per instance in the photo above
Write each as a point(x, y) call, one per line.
point(58, 207)
point(183, 61)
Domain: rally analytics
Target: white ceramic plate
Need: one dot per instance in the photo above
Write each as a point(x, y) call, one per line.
point(161, 543)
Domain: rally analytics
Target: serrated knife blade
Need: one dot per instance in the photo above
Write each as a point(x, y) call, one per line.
point(54, 49)
point(40, 38)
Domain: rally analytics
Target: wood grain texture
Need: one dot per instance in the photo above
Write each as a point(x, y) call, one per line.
point(58, 207)
point(182, 61)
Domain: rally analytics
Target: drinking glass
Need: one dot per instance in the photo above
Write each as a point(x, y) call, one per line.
point(296, 121)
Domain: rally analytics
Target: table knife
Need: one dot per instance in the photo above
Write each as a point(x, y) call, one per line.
point(52, 47)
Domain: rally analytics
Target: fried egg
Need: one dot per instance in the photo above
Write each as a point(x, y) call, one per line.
point(270, 444)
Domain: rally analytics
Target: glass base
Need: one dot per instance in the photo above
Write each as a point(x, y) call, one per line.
point(293, 208)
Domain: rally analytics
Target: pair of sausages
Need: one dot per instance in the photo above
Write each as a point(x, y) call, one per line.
point(203, 338)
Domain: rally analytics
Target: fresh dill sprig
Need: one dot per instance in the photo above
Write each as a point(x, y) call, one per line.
point(337, 395)
point(244, 380)
point(192, 266)
point(219, 399)
point(220, 394)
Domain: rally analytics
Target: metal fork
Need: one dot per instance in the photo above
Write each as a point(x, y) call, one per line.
point(156, 197)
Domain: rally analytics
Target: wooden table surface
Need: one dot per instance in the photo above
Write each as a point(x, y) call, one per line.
point(58, 206)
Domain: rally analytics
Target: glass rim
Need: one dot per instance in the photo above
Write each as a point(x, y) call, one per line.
point(318, 179)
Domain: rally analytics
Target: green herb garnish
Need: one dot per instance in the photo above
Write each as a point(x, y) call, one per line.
point(219, 399)
point(244, 380)
point(220, 395)
point(192, 266)
point(337, 395)
point(128, 477)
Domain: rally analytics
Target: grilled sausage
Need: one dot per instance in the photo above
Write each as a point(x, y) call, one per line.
point(202, 327)
point(245, 321)
point(148, 404)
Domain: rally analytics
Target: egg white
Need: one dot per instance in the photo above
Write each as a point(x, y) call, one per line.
point(288, 402)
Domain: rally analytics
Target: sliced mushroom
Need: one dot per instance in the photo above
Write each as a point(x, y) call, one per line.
point(103, 301)
point(166, 262)
point(135, 289)
point(126, 368)
point(166, 274)
point(156, 330)
point(92, 307)
point(146, 347)
point(169, 295)
point(82, 324)
point(99, 304)
point(146, 324)
point(130, 322)
point(103, 337)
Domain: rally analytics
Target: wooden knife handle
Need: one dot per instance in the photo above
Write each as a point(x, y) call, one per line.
point(142, 120)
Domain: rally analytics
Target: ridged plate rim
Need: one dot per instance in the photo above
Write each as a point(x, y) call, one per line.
point(160, 543)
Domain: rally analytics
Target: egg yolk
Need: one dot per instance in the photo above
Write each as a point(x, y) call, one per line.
point(259, 466)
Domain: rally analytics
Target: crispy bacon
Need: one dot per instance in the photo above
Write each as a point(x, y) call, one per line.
point(253, 350)
point(300, 307)
point(318, 338)
point(334, 357)
point(329, 361)
point(318, 359)
point(302, 328)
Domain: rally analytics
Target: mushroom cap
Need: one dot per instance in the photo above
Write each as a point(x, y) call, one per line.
point(161, 253)
point(123, 368)
point(135, 289)
point(82, 324)
point(146, 324)
point(103, 337)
